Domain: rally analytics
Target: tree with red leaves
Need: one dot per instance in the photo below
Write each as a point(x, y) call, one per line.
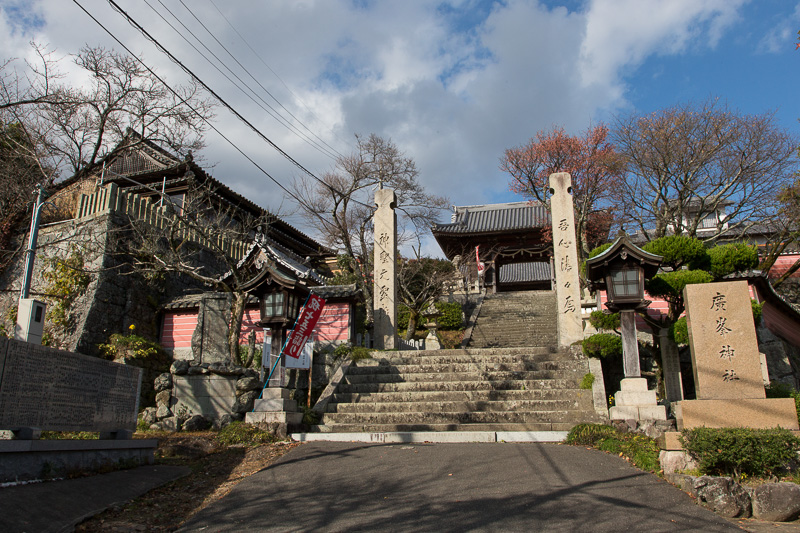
point(596, 171)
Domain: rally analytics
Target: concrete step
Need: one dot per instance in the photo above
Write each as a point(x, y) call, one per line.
point(455, 396)
point(395, 428)
point(471, 367)
point(576, 402)
point(466, 417)
point(509, 384)
point(489, 375)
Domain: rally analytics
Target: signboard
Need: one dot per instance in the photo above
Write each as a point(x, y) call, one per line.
point(308, 318)
point(304, 361)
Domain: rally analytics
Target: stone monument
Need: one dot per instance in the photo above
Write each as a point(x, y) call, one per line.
point(727, 364)
point(565, 259)
point(385, 287)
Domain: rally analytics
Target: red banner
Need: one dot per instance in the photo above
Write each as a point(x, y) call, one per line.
point(308, 318)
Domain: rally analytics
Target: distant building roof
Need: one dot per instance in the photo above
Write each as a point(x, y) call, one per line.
point(524, 272)
point(492, 218)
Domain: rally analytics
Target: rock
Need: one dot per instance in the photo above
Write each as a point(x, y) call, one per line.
point(673, 461)
point(247, 384)
point(225, 369)
point(179, 367)
point(163, 398)
point(776, 502)
point(149, 416)
point(723, 496)
point(162, 382)
point(167, 424)
point(222, 421)
point(244, 402)
point(163, 412)
point(196, 423)
point(196, 370)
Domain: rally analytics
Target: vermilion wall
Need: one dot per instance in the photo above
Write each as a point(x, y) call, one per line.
point(178, 326)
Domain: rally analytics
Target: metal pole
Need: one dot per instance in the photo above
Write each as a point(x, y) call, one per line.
point(30, 253)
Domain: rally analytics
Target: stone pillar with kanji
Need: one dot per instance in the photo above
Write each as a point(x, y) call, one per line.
point(385, 275)
point(565, 257)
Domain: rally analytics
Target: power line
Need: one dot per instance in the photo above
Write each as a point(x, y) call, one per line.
point(214, 128)
point(271, 111)
point(256, 80)
point(241, 37)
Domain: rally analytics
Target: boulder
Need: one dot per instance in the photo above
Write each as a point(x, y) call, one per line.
point(179, 367)
point(149, 416)
point(196, 370)
point(163, 412)
point(776, 502)
point(162, 382)
point(723, 496)
point(673, 461)
point(195, 423)
point(222, 421)
point(225, 369)
point(247, 384)
point(244, 401)
point(166, 424)
point(163, 398)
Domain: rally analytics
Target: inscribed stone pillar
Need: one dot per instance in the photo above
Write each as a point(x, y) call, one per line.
point(565, 257)
point(671, 367)
point(385, 287)
point(630, 345)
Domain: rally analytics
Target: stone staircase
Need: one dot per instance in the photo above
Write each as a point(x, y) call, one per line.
point(497, 389)
point(516, 319)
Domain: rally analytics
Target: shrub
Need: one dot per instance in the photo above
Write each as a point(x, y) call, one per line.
point(603, 345)
point(641, 450)
point(604, 321)
point(737, 451)
point(729, 258)
point(403, 314)
point(589, 434)
point(670, 285)
point(587, 381)
point(132, 346)
point(452, 316)
point(680, 331)
point(757, 309)
point(679, 250)
point(359, 352)
point(241, 433)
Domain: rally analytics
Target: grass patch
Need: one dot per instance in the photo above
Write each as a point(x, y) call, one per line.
point(239, 433)
point(639, 449)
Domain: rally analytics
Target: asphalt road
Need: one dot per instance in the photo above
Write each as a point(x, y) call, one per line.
point(324, 486)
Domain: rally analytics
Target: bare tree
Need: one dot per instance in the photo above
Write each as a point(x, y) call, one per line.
point(196, 239)
point(340, 207)
point(690, 161)
point(420, 281)
point(592, 162)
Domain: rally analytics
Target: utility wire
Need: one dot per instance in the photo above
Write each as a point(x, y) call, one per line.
point(254, 78)
point(268, 109)
point(238, 115)
point(210, 125)
point(273, 72)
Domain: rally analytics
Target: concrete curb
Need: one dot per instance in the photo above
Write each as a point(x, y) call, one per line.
point(430, 436)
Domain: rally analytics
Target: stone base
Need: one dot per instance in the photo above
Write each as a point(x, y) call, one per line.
point(273, 417)
point(758, 413)
point(635, 402)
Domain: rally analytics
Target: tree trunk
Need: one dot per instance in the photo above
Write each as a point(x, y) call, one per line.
point(412, 325)
point(237, 314)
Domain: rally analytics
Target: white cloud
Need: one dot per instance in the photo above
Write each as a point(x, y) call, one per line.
point(452, 83)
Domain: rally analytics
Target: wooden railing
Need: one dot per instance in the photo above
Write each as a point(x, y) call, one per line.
point(110, 199)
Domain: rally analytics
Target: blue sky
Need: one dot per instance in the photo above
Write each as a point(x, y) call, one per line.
point(454, 82)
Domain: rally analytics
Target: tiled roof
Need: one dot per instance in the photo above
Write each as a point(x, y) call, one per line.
point(336, 291)
point(521, 272)
point(496, 217)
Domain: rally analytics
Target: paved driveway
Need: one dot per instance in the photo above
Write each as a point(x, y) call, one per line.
point(454, 487)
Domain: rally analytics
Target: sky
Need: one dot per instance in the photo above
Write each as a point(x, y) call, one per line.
point(453, 83)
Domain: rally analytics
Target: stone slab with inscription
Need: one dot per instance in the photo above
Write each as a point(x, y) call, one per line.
point(208, 395)
point(565, 258)
point(385, 289)
point(723, 341)
point(727, 364)
point(58, 390)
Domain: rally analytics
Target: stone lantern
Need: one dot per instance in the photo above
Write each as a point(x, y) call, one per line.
point(431, 314)
point(621, 271)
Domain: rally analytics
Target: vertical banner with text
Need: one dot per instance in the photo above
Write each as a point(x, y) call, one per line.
point(308, 318)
